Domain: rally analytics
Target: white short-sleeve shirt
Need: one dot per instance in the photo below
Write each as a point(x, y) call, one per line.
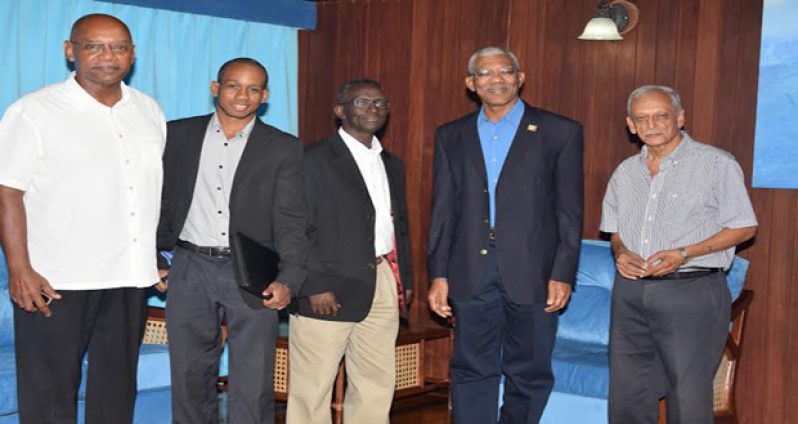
point(92, 179)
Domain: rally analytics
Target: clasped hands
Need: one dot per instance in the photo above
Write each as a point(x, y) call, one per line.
point(632, 266)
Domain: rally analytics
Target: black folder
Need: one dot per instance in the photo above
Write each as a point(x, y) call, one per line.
point(256, 265)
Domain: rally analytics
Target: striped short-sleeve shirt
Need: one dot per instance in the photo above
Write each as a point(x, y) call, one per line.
point(698, 191)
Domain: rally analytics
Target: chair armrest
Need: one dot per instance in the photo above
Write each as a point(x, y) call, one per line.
point(155, 328)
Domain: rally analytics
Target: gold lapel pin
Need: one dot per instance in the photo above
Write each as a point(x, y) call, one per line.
point(532, 128)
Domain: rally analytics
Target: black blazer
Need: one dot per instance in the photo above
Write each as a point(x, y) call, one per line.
point(341, 229)
point(266, 201)
point(539, 200)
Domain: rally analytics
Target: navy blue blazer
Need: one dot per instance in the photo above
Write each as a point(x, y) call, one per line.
point(539, 198)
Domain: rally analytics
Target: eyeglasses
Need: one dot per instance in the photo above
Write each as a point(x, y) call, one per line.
point(365, 103)
point(504, 73)
point(97, 48)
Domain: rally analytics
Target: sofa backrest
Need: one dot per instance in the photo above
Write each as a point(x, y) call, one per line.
point(587, 317)
point(6, 307)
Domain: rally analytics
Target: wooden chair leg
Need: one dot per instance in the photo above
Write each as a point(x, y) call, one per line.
point(338, 395)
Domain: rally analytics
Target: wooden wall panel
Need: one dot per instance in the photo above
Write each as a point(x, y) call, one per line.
point(706, 49)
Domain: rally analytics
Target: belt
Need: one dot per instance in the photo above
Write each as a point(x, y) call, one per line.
point(212, 251)
point(681, 275)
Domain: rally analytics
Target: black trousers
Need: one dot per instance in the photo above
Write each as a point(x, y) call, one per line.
point(203, 292)
point(495, 336)
point(666, 339)
point(49, 351)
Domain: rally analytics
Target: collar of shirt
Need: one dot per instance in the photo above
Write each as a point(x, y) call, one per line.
point(357, 148)
point(216, 126)
point(513, 117)
point(681, 151)
point(83, 98)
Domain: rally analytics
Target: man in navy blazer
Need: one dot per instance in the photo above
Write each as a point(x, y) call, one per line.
point(504, 241)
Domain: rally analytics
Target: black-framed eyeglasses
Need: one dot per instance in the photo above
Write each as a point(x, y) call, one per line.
point(365, 103)
point(97, 48)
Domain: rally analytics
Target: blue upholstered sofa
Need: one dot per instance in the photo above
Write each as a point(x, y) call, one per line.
point(580, 359)
point(153, 401)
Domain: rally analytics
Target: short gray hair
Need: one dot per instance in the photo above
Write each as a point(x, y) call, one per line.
point(490, 51)
point(676, 101)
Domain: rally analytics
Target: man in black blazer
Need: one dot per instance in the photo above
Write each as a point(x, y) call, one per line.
point(504, 241)
point(359, 256)
point(228, 174)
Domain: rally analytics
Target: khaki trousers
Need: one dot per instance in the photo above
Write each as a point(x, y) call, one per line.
point(316, 347)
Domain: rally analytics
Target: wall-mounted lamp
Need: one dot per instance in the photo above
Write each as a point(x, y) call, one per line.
point(613, 19)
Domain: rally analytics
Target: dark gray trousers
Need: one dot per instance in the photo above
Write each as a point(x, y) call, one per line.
point(49, 352)
point(203, 292)
point(666, 339)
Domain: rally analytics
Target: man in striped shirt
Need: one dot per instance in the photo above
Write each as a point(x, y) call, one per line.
point(675, 211)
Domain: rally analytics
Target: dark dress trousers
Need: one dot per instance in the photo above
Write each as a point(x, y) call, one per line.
point(499, 287)
point(340, 218)
point(266, 204)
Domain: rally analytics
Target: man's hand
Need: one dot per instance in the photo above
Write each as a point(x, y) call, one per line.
point(324, 304)
point(26, 288)
point(438, 298)
point(664, 262)
point(630, 265)
point(559, 293)
point(280, 296)
point(163, 285)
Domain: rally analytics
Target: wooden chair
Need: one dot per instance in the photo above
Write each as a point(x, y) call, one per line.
point(723, 406)
point(422, 361)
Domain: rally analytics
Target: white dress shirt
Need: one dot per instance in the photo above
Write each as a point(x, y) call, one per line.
point(372, 169)
point(92, 179)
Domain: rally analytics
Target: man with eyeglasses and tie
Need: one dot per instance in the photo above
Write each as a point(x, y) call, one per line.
point(504, 241)
point(359, 266)
point(80, 184)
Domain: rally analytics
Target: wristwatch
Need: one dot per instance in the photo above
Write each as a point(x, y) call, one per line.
point(685, 255)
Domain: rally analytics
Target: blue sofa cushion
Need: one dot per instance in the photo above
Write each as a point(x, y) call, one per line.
point(6, 307)
point(8, 381)
point(587, 318)
point(581, 368)
point(596, 265)
point(735, 278)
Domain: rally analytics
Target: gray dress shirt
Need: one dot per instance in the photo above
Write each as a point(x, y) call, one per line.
point(698, 191)
point(208, 220)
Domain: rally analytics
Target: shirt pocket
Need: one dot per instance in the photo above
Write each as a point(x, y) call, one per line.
point(680, 206)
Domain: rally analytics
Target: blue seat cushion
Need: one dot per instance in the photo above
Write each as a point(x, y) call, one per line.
point(581, 368)
point(8, 381)
point(587, 317)
point(596, 265)
point(6, 307)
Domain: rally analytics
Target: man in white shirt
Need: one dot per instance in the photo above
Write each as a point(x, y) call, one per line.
point(358, 258)
point(80, 181)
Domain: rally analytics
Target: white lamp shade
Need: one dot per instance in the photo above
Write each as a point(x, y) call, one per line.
point(601, 29)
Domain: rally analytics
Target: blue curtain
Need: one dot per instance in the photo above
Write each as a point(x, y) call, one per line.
point(177, 54)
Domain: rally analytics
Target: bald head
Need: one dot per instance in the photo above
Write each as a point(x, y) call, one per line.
point(85, 23)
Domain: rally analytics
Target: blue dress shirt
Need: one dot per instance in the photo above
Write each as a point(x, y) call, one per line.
point(495, 139)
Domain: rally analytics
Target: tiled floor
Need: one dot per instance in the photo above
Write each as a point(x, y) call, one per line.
point(424, 409)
